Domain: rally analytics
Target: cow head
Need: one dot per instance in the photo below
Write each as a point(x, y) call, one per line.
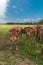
point(29, 31)
point(15, 33)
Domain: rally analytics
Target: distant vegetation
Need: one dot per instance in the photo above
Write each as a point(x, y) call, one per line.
point(26, 23)
point(40, 22)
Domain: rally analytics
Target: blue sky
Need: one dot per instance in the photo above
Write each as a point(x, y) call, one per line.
point(21, 10)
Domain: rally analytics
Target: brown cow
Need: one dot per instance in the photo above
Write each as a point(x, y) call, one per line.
point(15, 33)
point(29, 31)
point(39, 32)
point(35, 30)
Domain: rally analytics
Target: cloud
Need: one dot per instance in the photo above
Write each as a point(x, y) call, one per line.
point(23, 20)
point(38, 18)
point(3, 8)
point(35, 19)
point(14, 6)
point(28, 20)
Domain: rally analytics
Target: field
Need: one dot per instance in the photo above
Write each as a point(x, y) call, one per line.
point(30, 51)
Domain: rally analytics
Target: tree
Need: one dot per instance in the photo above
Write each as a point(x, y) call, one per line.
point(40, 22)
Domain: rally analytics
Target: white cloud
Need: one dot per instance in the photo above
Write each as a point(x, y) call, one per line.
point(23, 20)
point(35, 19)
point(28, 20)
point(14, 6)
point(3, 8)
point(38, 18)
point(32, 19)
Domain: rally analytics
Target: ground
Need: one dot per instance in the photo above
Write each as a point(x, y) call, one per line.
point(16, 59)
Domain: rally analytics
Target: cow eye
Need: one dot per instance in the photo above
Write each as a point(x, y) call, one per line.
point(17, 31)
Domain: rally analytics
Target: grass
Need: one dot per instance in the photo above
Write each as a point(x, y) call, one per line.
point(30, 48)
point(5, 28)
point(11, 26)
point(7, 60)
point(33, 50)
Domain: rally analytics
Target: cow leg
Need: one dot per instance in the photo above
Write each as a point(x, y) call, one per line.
point(41, 35)
point(16, 46)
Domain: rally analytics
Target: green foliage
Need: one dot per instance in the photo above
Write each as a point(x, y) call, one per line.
point(32, 49)
point(40, 22)
point(27, 23)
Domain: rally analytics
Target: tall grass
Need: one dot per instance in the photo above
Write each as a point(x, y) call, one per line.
point(32, 49)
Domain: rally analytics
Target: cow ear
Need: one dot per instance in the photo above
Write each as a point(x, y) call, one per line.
point(12, 30)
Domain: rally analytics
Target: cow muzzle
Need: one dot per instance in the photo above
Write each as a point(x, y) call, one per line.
point(13, 38)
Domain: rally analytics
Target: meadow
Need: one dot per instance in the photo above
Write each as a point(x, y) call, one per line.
point(30, 51)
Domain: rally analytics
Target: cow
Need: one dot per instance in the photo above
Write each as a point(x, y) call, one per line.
point(29, 31)
point(35, 30)
point(15, 33)
point(39, 32)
